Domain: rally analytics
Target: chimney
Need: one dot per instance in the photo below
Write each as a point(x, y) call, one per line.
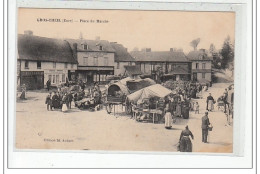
point(28, 32)
point(97, 38)
point(171, 49)
point(148, 50)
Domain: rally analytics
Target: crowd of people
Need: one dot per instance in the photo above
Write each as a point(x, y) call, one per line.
point(63, 97)
point(226, 101)
point(177, 104)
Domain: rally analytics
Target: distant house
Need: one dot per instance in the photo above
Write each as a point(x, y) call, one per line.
point(122, 58)
point(132, 71)
point(169, 64)
point(201, 65)
point(41, 59)
point(95, 59)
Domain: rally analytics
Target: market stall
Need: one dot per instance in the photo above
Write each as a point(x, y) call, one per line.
point(148, 103)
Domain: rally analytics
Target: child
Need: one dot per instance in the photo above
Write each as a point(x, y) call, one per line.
point(196, 107)
point(48, 101)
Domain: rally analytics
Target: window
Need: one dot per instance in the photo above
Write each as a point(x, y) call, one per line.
point(105, 61)
point(39, 65)
point(53, 79)
point(58, 79)
point(117, 65)
point(49, 78)
point(63, 77)
point(66, 65)
point(100, 47)
point(203, 65)
point(85, 60)
point(54, 64)
point(197, 65)
point(95, 61)
point(85, 47)
point(203, 75)
point(26, 65)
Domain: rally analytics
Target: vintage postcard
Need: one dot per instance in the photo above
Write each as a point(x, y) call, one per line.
point(125, 80)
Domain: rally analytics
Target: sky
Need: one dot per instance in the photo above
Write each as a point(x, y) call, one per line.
point(158, 30)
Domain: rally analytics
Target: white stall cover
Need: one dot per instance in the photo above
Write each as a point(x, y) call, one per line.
point(156, 90)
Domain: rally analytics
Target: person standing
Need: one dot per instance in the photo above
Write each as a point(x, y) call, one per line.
point(225, 97)
point(196, 108)
point(185, 142)
point(55, 101)
point(205, 126)
point(168, 117)
point(48, 84)
point(70, 98)
point(48, 101)
point(22, 96)
point(64, 103)
point(210, 103)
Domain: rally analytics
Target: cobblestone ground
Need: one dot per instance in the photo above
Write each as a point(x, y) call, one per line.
point(38, 128)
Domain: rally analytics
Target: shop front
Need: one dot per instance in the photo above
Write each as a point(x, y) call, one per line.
point(94, 74)
point(32, 79)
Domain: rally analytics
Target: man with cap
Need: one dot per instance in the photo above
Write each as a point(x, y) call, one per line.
point(205, 127)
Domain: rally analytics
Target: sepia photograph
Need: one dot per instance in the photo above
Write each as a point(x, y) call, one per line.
point(125, 80)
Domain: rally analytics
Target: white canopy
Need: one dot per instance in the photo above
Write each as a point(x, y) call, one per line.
point(156, 90)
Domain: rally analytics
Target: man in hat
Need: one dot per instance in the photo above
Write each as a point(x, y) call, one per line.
point(205, 126)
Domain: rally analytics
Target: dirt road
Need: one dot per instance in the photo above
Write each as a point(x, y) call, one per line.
point(38, 128)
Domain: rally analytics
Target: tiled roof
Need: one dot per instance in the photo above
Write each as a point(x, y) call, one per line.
point(159, 56)
point(44, 49)
point(198, 55)
point(178, 70)
point(121, 54)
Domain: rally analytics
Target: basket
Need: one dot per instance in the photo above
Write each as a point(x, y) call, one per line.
point(210, 128)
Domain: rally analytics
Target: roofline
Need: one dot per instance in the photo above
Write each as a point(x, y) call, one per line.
point(126, 61)
point(45, 61)
point(95, 51)
point(163, 61)
point(201, 60)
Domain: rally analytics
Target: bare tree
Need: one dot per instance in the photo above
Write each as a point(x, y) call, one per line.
point(194, 43)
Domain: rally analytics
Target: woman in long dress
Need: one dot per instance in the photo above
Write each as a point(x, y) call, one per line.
point(64, 103)
point(210, 103)
point(168, 117)
point(178, 109)
point(185, 142)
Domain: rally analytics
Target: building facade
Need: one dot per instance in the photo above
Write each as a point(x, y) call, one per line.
point(122, 59)
point(167, 64)
point(201, 66)
point(41, 59)
point(95, 59)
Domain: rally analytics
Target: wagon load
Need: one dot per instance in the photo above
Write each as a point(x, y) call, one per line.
point(135, 85)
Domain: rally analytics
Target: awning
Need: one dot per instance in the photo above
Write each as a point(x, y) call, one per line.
point(156, 90)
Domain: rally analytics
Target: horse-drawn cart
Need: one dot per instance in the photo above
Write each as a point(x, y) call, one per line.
point(116, 95)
